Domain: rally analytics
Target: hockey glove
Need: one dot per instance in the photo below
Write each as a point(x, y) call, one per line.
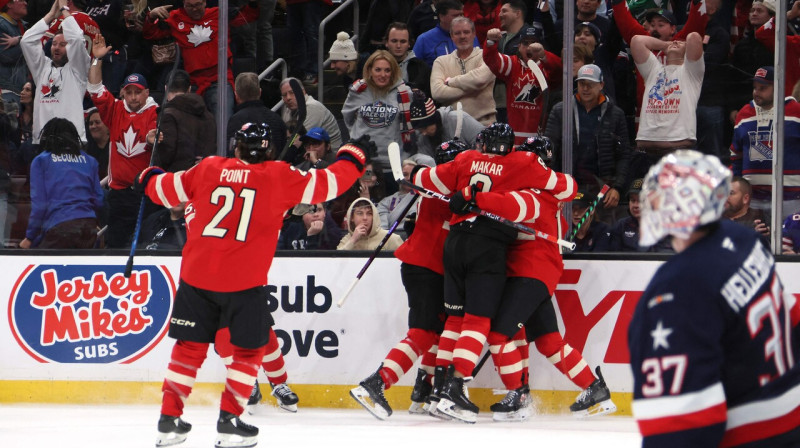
point(140, 182)
point(358, 151)
point(463, 201)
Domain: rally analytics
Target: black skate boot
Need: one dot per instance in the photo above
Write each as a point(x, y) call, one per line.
point(433, 398)
point(234, 433)
point(454, 400)
point(422, 388)
point(595, 400)
point(515, 407)
point(254, 400)
point(369, 394)
point(171, 430)
point(287, 400)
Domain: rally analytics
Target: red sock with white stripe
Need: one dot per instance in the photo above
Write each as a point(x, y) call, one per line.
point(474, 330)
point(403, 356)
point(567, 360)
point(273, 363)
point(186, 359)
point(506, 360)
point(428, 361)
point(447, 340)
point(241, 377)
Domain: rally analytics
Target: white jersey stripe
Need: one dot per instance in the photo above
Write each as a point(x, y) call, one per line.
point(764, 410)
point(177, 181)
point(646, 409)
point(308, 193)
point(160, 191)
point(438, 183)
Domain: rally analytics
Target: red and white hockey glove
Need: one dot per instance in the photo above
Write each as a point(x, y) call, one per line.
point(140, 182)
point(357, 151)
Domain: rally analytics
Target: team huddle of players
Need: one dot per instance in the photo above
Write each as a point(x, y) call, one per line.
point(473, 281)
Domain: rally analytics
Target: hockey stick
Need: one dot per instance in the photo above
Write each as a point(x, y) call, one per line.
point(589, 211)
point(459, 121)
point(480, 364)
point(377, 251)
point(394, 161)
point(140, 217)
point(537, 73)
point(300, 97)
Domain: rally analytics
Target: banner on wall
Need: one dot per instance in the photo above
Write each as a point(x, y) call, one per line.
point(78, 318)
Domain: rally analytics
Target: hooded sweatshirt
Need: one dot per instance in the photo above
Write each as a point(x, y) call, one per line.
point(375, 236)
point(190, 133)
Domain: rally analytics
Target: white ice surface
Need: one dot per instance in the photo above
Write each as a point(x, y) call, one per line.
point(123, 426)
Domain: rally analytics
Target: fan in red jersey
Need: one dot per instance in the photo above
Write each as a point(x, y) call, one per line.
point(233, 217)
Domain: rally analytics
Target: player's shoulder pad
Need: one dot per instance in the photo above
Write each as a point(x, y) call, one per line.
point(358, 86)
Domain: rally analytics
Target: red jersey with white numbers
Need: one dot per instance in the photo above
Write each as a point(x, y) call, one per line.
point(87, 24)
point(235, 211)
point(529, 256)
point(198, 40)
point(496, 173)
point(425, 246)
point(129, 151)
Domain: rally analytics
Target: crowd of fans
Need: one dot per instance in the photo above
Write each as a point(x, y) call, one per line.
point(650, 77)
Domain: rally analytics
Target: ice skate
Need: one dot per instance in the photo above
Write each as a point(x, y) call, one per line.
point(422, 388)
point(171, 430)
point(515, 407)
point(454, 399)
point(287, 400)
point(254, 400)
point(432, 401)
point(234, 433)
point(595, 400)
point(369, 394)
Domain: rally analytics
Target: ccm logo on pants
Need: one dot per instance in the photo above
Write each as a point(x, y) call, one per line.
point(181, 322)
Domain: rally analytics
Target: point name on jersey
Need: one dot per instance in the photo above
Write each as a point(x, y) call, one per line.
point(237, 176)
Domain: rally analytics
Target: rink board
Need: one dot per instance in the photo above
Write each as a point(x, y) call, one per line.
point(75, 325)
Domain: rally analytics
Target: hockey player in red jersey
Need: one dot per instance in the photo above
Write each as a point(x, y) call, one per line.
point(234, 213)
point(475, 252)
point(422, 273)
point(534, 268)
point(713, 348)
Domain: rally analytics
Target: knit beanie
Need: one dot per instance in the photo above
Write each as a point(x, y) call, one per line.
point(423, 111)
point(343, 48)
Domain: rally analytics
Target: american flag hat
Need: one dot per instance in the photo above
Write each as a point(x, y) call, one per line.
point(423, 111)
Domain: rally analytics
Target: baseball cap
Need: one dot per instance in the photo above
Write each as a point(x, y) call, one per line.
point(318, 134)
point(665, 14)
point(531, 33)
point(583, 198)
point(135, 79)
point(636, 186)
point(592, 29)
point(765, 75)
point(590, 72)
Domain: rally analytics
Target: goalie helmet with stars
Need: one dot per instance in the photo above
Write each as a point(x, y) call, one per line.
point(683, 191)
point(253, 142)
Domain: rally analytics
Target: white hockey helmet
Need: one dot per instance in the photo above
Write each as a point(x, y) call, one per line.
point(683, 191)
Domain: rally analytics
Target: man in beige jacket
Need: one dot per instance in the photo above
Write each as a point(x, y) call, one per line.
point(463, 76)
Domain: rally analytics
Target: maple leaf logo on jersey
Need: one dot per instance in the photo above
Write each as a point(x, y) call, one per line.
point(130, 148)
point(199, 34)
point(50, 91)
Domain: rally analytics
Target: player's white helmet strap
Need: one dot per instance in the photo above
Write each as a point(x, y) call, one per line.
point(681, 192)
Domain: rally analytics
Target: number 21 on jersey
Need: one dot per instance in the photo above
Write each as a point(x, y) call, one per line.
point(226, 199)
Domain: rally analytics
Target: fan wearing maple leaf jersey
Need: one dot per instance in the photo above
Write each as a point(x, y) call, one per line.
point(233, 217)
point(129, 122)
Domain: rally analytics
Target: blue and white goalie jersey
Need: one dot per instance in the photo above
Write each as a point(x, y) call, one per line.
point(714, 348)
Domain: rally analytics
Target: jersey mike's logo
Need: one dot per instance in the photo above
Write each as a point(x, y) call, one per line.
point(89, 313)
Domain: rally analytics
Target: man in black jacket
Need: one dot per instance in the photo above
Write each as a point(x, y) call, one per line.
point(188, 128)
point(250, 109)
point(601, 152)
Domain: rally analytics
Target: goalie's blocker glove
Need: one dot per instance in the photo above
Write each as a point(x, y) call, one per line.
point(463, 201)
point(359, 151)
point(140, 182)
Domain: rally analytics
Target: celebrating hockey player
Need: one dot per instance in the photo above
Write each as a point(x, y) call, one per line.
point(233, 218)
point(475, 252)
point(713, 339)
point(422, 274)
point(534, 267)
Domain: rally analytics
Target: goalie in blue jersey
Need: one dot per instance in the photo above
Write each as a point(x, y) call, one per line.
point(714, 339)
